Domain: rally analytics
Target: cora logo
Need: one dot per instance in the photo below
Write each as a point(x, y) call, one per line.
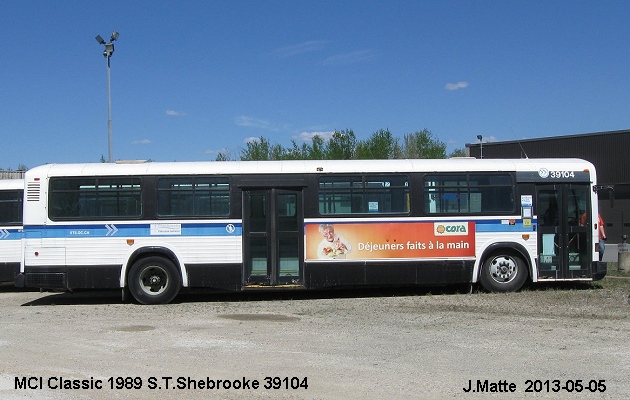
point(451, 229)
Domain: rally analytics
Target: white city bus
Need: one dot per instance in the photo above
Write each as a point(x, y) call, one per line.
point(153, 228)
point(11, 195)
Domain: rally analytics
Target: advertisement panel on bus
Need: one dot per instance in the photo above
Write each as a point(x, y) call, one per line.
point(383, 240)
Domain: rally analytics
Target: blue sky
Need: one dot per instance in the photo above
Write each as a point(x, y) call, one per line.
point(190, 78)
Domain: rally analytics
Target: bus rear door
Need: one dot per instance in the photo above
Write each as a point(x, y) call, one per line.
point(273, 237)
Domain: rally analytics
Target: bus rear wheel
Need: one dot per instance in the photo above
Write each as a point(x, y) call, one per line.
point(503, 272)
point(154, 280)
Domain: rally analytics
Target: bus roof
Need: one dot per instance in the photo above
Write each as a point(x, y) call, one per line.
point(11, 184)
point(308, 166)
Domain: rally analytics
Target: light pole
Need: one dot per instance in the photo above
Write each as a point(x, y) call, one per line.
point(109, 50)
point(480, 145)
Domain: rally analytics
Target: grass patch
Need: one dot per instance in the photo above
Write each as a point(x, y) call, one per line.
point(615, 279)
point(613, 270)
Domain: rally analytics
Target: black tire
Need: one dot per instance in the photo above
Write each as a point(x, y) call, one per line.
point(154, 280)
point(504, 272)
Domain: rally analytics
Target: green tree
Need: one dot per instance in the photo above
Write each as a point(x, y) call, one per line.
point(277, 152)
point(262, 150)
point(422, 144)
point(317, 149)
point(296, 152)
point(458, 153)
point(223, 156)
point(256, 150)
point(380, 146)
point(341, 146)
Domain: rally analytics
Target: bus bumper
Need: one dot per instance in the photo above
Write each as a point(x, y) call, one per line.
point(41, 280)
point(599, 270)
point(19, 281)
point(8, 271)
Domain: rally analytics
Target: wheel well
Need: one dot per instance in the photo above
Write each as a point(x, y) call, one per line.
point(152, 252)
point(514, 249)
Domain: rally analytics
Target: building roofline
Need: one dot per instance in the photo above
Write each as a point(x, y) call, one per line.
point(548, 138)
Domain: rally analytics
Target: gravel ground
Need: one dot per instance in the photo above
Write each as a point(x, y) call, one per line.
point(377, 344)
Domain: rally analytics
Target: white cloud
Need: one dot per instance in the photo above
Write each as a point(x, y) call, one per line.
point(251, 122)
point(300, 48)
point(350, 58)
point(453, 142)
point(143, 141)
point(251, 139)
point(456, 86)
point(173, 113)
point(212, 152)
point(308, 136)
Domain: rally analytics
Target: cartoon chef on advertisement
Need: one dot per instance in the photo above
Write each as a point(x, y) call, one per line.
point(332, 246)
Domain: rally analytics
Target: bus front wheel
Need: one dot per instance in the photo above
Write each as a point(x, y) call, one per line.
point(503, 272)
point(154, 280)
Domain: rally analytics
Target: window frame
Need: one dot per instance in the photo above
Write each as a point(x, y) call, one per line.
point(363, 197)
point(102, 188)
point(13, 200)
point(460, 184)
point(191, 185)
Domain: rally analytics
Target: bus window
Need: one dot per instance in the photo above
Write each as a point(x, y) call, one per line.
point(193, 197)
point(94, 198)
point(373, 194)
point(473, 193)
point(11, 207)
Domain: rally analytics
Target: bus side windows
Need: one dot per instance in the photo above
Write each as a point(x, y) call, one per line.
point(472, 193)
point(94, 198)
point(11, 207)
point(193, 197)
point(364, 194)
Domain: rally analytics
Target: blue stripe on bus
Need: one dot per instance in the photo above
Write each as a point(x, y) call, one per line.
point(11, 234)
point(132, 230)
point(482, 225)
point(502, 226)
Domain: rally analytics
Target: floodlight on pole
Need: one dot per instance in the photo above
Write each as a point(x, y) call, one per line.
point(109, 50)
point(480, 145)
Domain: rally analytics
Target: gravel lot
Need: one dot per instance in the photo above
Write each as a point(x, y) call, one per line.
point(375, 344)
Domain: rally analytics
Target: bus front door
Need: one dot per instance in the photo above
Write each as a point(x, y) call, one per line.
point(564, 241)
point(273, 237)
